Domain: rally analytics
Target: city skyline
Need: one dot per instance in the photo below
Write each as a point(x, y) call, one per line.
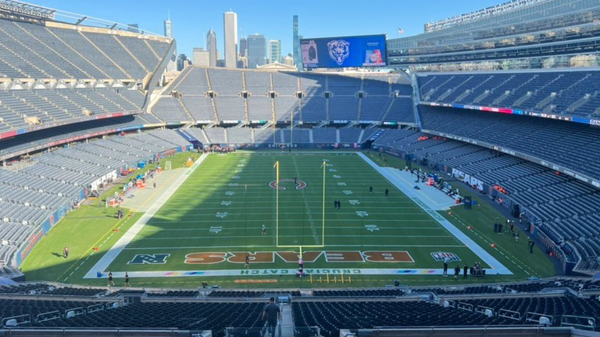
point(191, 20)
point(257, 50)
point(212, 47)
point(168, 27)
point(230, 39)
point(274, 51)
point(296, 43)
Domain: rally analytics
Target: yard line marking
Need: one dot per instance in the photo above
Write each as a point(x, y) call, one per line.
point(228, 237)
point(392, 176)
point(113, 252)
point(253, 248)
point(212, 214)
point(293, 271)
point(292, 220)
point(500, 249)
point(307, 207)
point(90, 250)
point(359, 227)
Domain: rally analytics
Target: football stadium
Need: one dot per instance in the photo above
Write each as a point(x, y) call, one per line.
point(441, 184)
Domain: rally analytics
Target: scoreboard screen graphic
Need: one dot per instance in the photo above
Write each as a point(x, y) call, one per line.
point(346, 51)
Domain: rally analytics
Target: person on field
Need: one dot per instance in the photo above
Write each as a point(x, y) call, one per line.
point(247, 264)
point(110, 279)
point(456, 272)
point(66, 252)
point(127, 280)
point(531, 244)
point(445, 268)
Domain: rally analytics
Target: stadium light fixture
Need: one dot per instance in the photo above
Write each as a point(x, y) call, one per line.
point(80, 20)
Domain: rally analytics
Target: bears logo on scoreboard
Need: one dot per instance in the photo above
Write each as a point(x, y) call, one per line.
point(339, 50)
point(445, 256)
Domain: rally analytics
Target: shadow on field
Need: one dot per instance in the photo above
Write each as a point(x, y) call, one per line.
point(214, 209)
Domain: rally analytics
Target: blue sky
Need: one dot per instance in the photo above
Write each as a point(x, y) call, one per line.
point(193, 19)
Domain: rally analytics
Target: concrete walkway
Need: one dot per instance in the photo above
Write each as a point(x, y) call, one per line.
point(427, 205)
point(140, 199)
point(162, 198)
point(434, 198)
point(287, 324)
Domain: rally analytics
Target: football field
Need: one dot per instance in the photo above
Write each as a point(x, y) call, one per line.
point(214, 221)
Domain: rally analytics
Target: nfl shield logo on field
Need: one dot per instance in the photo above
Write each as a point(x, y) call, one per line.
point(445, 256)
point(149, 259)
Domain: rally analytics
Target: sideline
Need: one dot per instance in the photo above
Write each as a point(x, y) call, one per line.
point(496, 268)
point(389, 174)
point(120, 245)
point(290, 272)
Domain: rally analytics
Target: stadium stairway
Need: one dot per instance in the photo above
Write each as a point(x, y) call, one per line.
point(74, 50)
point(287, 323)
point(132, 55)
point(158, 58)
point(49, 46)
point(105, 55)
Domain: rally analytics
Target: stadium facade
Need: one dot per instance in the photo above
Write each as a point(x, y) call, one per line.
point(525, 34)
point(504, 99)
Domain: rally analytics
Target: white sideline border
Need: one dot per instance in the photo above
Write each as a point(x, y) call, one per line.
point(120, 245)
point(390, 174)
point(496, 268)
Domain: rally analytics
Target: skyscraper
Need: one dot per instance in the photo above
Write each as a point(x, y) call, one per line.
point(211, 47)
point(243, 47)
point(231, 39)
point(274, 51)
point(288, 60)
point(182, 60)
point(200, 57)
point(296, 44)
point(257, 50)
point(168, 29)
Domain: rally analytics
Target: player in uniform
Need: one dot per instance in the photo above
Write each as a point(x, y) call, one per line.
point(66, 252)
point(127, 280)
point(264, 230)
point(247, 264)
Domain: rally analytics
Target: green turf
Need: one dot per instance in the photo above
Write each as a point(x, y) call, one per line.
point(82, 230)
point(183, 226)
point(481, 219)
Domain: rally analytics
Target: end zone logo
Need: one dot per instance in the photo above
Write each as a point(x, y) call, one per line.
point(299, 184)
point(149, 259)
point(445, 256)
